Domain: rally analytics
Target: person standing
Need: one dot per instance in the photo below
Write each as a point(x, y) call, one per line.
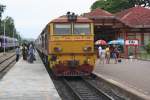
point(100, 53)
point(31, 53)
point(107, 51)
point(103, 55)
point(24, 52)
point(17, 53)
point(114, 54)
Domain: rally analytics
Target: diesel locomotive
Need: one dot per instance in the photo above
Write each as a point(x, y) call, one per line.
point(67, 45)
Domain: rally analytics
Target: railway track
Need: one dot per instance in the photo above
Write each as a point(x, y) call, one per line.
point(83, 90)
point(6, 63)
point(6, 53)
point(6, 57)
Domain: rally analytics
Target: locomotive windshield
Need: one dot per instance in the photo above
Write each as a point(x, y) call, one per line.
point(62, 29)
point(83, 29)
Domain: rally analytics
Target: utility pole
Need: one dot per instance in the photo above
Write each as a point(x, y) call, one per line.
point(2, 7)
point(13, 38)
point(4, 38)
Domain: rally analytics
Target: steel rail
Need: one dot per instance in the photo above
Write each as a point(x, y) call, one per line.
point(5, 66)
point(98, 90)
point(76, 94)
point(84, 90)
point(7, 58)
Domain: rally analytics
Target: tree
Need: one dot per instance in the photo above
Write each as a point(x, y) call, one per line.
point(2, 7)
point(10, 29)
point(147, 47)
point(114, 6)
point(9, 26)
point(144, 3)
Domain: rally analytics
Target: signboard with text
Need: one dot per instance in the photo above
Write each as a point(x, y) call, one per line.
point(133, 42)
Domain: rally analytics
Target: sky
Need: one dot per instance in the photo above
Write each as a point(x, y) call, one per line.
point(31, 16)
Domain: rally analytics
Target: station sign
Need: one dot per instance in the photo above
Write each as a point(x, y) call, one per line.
point(133, 42)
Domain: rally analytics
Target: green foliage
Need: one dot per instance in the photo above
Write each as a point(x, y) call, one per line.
point(10, 29)
point(2, 7)
point(99, 4)
point(144, 3)
point(147, 47)
point(114, 6)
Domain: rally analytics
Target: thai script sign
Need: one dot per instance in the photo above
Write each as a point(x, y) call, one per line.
point(133, 42)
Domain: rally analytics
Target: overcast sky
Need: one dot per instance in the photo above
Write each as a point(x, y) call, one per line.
point(31, 16)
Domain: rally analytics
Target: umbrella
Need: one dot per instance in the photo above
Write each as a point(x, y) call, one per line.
point(112, 42)
point(100, 42)
point(119, 42)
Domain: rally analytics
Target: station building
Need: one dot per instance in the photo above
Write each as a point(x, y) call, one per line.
point(131, 25)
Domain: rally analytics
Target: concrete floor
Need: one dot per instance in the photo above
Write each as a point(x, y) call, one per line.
point(134, 74)
point(27, 81)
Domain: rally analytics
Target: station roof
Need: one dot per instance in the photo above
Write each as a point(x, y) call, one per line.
point(64, 19)
point(104, 18)
point(138, 17)
point(98, 13)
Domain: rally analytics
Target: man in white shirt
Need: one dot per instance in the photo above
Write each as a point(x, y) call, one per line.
point(100, 52)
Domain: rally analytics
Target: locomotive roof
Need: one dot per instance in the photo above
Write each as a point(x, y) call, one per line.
point(64, 19)
point(1, 36)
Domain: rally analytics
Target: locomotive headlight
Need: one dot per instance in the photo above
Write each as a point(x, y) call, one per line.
point(87, 49)
point(57, 61)
point(57, 49)
point(88, 60)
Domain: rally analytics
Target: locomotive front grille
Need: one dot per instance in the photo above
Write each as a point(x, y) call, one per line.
point(74, 73)
point(73, 63)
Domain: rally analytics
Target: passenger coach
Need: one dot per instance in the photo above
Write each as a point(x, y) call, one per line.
point(67, 45)
point(8, 43)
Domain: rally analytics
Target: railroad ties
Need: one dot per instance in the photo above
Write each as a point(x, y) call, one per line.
point(5, 63)
point(83, 90)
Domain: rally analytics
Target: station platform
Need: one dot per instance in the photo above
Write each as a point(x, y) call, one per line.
point(132, 75)
point(27, 81)
point(1, 54)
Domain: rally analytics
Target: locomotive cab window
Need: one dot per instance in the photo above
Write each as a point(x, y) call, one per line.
point(83, 29)
point(62, 29)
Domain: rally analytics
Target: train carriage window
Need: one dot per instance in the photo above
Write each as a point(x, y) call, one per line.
point(62, 29)
point(82, 29)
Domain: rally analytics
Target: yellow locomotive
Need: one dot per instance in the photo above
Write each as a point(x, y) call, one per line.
point(67, 45)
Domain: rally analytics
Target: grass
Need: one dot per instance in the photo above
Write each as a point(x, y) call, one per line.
point(145, 56)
